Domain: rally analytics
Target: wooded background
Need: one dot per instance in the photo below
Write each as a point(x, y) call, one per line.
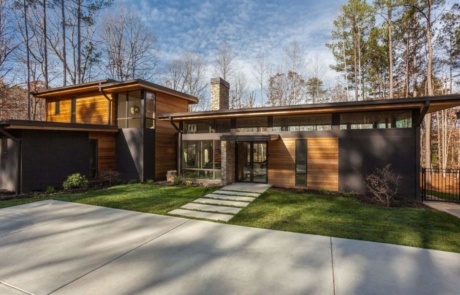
point(383, 49)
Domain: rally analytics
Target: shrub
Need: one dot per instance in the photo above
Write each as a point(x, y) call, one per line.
point(75, 181)
point(383, 185)
point(111, 176)
point(188, 182)
point(50, 190)
point(150, 181)
point(177, 181)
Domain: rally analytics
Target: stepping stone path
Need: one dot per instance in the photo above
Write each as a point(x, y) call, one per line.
point(222, 204)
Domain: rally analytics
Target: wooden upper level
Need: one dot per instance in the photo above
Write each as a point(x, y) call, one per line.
point(128, 104)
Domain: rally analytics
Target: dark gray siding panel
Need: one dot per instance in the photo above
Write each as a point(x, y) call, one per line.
point(8, 167)
point(149, 154)
point(129, 154)
point(48, 157)
point(361, 151)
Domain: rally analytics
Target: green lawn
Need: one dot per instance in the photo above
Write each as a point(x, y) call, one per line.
point(292, 211)
point(136, 197)
point(139, 197)
point(348, 218)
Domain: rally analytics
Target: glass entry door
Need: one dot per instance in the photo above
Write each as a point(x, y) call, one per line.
point(251, 162)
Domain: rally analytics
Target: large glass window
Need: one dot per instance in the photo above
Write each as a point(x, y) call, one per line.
point(129, 109)
point(207, 126)
point(303, 123)
point(150, 110)
point(201, 159)
point(255, 124)
point(376, 120)
point(301, 162)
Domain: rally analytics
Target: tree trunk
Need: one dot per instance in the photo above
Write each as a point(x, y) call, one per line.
point(345, 65)
point(64, 53)
point(390, 50)
point(429, 73)
point(78, 42)
point(45, 45)
point(26, 27)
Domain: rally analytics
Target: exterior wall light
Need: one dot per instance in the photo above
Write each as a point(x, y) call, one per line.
point(134, 110)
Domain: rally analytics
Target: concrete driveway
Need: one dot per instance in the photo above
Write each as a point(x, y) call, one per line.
point(53, 247)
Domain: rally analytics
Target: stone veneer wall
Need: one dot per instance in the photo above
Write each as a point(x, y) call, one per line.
point(219, 94)
point(228, 162)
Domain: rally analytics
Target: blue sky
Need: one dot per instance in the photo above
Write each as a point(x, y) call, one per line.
point(248, 26)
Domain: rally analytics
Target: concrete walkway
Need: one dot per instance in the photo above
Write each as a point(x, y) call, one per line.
point(53, 247)
point(451, 208)
point(223, 204)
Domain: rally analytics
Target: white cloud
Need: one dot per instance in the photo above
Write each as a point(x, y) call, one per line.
point(249, 26)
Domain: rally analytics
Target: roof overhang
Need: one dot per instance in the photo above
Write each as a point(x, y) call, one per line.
point(111, 86)
point(257, 138)
point(436, 103)
point(54, 126)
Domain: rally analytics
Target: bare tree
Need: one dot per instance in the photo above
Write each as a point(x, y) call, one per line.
point(130, 46)
point(224, 64)
point(239, 92)
point(295, 62)
point(386, 9)
point(8, 43)
point(187, 74)
point(261, 72)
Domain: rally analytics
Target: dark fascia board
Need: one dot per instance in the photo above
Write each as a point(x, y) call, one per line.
point(76, 86)
point(352, 106)
point(42, 125)
point(109, 83)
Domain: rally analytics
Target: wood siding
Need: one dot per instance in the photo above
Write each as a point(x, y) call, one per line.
point(323, 163)
point(64, 114)
point(281, 165)
point(90, 109)
point(105, 150)
point(166, 135)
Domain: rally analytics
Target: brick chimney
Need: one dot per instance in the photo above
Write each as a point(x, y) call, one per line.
point(219, 94)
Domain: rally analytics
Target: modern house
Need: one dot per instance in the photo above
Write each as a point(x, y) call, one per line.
point(330, 146)
point(142, 130)
point(89, 128)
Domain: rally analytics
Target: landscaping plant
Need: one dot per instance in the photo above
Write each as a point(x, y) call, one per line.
point(383, 184)
point(75, 181)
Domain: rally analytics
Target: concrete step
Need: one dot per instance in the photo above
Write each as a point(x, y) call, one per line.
point(221, 202)
point(201, 215)
point(232, 193)
point(247, 187)
point(211, 208)
point(228, 197)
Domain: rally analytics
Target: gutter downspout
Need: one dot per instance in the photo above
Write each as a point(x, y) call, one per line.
point(179, 146)
point(18, 172)
point(422, 114)
point(110, 103)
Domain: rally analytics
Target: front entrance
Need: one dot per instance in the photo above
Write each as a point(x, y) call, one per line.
point(251, 161)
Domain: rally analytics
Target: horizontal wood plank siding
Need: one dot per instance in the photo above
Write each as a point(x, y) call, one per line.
point(90, 109)
point(105, 150)
point(64, 111)
point(323, 163)
point(281, 165)
point(166, 135)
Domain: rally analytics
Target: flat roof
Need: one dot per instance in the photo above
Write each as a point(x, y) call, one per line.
point(112, 86)
point(42, 125)
point(429, 103)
